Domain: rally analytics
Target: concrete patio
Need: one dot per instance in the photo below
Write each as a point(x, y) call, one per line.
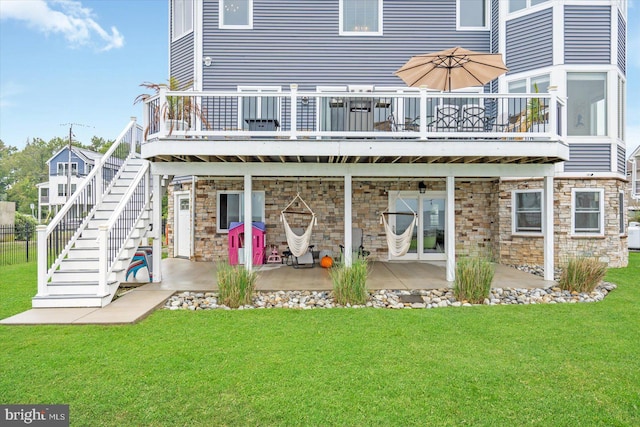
point(184, 275)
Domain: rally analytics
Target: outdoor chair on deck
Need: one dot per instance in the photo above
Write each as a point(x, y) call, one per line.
point(446, 118)
point(357, 244)
point(306, 260)
point(473, 118)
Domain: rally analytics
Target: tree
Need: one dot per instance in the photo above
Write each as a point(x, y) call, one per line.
point(5, 168)
point(99, 144)
point(28, 168)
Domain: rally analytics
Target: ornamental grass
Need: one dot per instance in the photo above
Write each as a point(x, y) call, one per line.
point(582, 274)
point(473, 279)
point(350, 283)
point(236, 284)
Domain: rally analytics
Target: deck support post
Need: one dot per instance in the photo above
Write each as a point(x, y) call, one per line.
point(348, 238)
point(548, 228)
point(248, 224)
point(450, 226)
point(156, 220)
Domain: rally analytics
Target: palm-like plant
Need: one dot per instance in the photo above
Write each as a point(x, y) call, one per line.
point(177, 111)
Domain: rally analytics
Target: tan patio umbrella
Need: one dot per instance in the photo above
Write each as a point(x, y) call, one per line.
point(452, 69)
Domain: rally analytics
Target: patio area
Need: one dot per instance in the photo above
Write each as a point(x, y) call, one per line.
point(184, 275)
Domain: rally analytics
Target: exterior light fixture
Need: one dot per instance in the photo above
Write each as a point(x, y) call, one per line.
point(422, 187)
point(207, 61)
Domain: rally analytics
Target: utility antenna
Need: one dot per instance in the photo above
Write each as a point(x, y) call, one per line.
point(71, 135)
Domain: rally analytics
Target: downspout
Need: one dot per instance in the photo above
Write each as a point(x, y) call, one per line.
point(192, 238)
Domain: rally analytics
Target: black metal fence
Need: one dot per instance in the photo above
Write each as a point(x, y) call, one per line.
point(17, 244)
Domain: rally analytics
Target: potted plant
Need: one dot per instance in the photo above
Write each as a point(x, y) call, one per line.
point(537, 113)
point(178, 112)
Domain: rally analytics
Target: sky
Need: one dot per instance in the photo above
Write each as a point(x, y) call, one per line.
point(82, 61)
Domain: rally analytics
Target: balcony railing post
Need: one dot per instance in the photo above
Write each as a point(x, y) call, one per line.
point(294, 111)
point(103, 258)
point(41, 231)
point(553, 111)
point(423, 112)
point(162, 104)
point(146, 117)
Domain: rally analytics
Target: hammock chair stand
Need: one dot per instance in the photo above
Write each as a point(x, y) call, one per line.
point(399, 244)
point(299, 253)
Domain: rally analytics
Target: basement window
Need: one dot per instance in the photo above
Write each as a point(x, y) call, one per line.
point(230, 208)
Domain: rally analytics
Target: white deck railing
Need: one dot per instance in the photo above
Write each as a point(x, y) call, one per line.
point(56, 238)
point(409, 114)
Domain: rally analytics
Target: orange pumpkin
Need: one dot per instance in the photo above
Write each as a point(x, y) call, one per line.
point(326, 261)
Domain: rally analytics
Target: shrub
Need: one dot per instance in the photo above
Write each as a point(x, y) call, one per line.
point(25, 227)
point(473, 279)
point(235, 284)
point(582, 274)
point(350, 283)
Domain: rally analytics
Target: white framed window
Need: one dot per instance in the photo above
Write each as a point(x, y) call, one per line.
point(515, 5)
point(587, 207)
point(587, 104)
point(360, 17)
point(230, 208)
point(472, 14)
point(63, 169)
point(235, 14)
point(527, 211)
point(62, 189)
point(622, 102)
point(181, 18)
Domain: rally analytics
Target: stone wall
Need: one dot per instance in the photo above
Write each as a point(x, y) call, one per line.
point(519, 250)
point(482, 216)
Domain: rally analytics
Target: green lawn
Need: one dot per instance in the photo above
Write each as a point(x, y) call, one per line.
point(543, 365)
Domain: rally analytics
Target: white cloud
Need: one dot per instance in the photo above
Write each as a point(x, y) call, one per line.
point(66, 17)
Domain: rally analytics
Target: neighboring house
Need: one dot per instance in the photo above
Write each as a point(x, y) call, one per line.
point(52, 195)
point(633, 170)
point(300, 97)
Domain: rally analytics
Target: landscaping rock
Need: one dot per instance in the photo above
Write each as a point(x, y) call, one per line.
point(432, 298)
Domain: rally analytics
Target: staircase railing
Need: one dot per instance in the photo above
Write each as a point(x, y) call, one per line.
point(114, 235)
point(56, 238)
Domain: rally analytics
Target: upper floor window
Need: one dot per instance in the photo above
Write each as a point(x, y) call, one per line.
point(586, 104)
point(515, 5)
point(182, 19)
point(361, 17)
point(63, 169)
point(236, 14)
point(472, 14)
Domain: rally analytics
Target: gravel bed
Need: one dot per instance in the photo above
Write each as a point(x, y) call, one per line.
point(393, 299)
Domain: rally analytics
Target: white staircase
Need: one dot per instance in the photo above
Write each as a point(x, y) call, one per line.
point(87, 271)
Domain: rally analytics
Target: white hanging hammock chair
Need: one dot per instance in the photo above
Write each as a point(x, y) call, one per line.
point(298, 245)
point(399, 244)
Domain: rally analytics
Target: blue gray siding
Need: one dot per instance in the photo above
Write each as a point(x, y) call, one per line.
point(587, 35)
point(181, 62)
point(622, 163)
point(530, 41)
point(298, 42)
point(63, 157)
point(622, 44)
point(589, 158)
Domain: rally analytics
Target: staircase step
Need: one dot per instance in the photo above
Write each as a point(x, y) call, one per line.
point(74, 300)
point(70, 264)
point(75, 276)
